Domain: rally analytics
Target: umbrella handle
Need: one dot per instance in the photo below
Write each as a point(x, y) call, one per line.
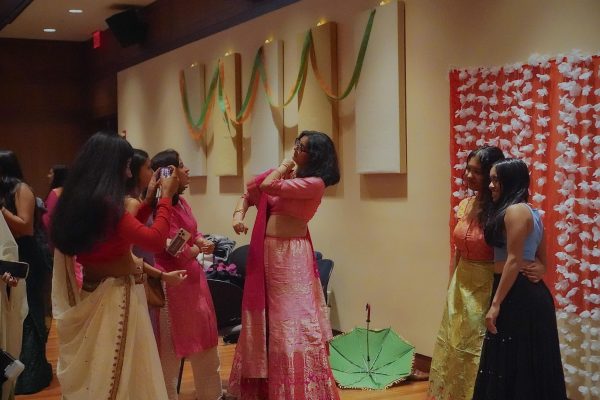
point(368, 309)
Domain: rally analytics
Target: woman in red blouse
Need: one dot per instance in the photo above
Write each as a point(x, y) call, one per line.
point(107, 348)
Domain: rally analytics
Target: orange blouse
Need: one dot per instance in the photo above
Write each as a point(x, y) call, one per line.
point(468, 235)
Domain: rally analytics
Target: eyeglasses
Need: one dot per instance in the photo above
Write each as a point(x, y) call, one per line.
point(299, 146)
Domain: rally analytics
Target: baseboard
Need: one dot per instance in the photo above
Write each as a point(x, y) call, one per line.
point(422, 363)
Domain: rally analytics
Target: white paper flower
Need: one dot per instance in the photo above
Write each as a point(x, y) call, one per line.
point(543, 77)
point(543, 121)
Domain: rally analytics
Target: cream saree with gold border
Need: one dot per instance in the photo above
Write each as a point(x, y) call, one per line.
point(107, 348)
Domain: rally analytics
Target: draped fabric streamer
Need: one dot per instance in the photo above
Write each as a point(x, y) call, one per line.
point(547, 113)
point(259, 72)
point(198, 128)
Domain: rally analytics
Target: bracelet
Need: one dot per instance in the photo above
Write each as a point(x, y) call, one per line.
point(239, 210)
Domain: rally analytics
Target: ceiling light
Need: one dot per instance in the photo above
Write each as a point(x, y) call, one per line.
point(49, 30)
point(75, 11)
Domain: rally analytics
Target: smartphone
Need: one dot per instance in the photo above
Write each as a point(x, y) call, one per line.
point(165, 172)
point(10, 367)
point(178, 241)
point(17, 269)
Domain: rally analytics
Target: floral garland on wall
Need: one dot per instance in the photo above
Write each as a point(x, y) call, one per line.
point(547, 113)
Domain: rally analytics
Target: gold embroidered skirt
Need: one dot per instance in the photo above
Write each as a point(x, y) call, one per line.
point(459, 340)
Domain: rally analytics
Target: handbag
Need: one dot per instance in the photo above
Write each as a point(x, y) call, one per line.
point(155, 296)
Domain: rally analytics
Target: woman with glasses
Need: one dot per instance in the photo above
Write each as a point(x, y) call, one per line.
point(282, 282)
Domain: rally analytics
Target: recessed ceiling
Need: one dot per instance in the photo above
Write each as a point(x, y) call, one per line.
point(41, 14)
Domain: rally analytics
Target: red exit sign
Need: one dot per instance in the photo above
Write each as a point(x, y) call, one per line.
point(97, 39)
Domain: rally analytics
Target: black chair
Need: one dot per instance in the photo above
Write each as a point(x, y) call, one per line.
point(325, 267)
point(227, 299)
point(238, 257)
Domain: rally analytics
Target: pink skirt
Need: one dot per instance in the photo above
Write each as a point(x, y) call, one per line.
point(298, 329)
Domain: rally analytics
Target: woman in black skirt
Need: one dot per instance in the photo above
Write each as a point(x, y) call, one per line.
point(520, 358)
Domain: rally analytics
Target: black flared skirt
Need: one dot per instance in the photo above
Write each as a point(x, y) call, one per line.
point(522, 361)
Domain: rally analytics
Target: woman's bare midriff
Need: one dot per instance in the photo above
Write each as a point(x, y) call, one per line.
point(285, 226)
point(125, 265)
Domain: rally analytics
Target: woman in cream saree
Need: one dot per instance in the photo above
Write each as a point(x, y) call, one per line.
point(106, 331)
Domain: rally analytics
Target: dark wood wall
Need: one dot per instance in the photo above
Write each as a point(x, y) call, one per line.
point(53, 95)
point(44, 106)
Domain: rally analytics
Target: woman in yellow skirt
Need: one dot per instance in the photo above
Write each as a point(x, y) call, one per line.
point(460, 337)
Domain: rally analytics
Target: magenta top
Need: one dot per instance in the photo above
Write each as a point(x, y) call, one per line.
point(50, 203)
point(192, 315)
point(295, 197)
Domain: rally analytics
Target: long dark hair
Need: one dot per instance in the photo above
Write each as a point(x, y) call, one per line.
point(10, 176)
point(487, 156)
point(513, 177)
point(59, 176)
point(137, 161)
point(92, 200)
point(9, 165)
point(164, 159)
point(322, 158)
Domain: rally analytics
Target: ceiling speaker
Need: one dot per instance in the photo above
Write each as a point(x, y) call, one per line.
point(128, 27)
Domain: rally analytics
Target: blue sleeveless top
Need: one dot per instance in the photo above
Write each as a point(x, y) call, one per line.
point(532, 241)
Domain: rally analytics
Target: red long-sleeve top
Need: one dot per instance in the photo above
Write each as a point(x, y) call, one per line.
point(131, 230)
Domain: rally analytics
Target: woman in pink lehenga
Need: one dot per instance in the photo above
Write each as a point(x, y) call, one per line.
point(282, 351)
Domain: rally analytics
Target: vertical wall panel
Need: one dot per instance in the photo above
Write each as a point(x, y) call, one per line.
point(193, 151)
point(227, 137)
point(266, 122)
point(380, 95)
point(315, 110)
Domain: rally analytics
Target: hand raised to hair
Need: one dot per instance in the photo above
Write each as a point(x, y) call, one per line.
point(152, 185)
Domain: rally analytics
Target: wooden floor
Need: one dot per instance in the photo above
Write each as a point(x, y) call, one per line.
point(405, 391)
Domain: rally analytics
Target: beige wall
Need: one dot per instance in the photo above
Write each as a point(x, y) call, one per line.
point(388, 234)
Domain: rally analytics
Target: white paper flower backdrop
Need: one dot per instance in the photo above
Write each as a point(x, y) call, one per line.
point(547, 112)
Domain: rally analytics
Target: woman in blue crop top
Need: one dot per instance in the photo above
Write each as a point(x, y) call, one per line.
point(520, 358)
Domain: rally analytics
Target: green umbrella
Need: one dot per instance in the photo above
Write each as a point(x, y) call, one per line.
point(370, 359)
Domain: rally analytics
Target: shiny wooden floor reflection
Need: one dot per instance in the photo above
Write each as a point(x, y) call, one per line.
point(406, 391)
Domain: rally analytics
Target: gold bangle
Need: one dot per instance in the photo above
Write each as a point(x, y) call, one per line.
point(239, 210)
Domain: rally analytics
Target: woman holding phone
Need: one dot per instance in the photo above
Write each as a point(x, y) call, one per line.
point(188, 327)
point(107, 348)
